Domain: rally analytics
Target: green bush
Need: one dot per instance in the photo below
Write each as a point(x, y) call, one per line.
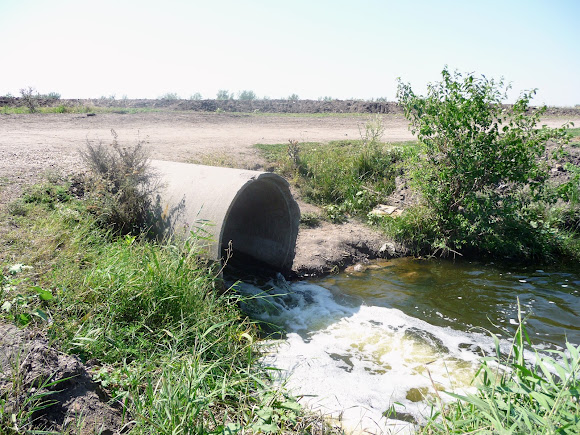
point(222, 94)
point(246, 95)
point(481, 171)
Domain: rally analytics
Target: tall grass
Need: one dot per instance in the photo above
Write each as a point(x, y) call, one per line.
point(348, 177)
point(165, 338)
point(516, 395)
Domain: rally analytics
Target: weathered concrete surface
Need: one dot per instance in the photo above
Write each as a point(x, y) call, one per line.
point(253, 211)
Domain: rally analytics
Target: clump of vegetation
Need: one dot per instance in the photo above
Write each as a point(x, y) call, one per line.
point(247, 95)
point(30, 98)
point(481, 173)
point(122, 185)
point(196, 97)
point(223, 94)
point(346, 177)
point(293, 97)
point(165, 338)
point(515, 395)
point(169, 96)
point(310, 220)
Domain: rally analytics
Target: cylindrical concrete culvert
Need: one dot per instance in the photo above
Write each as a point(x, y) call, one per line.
point(253, 212)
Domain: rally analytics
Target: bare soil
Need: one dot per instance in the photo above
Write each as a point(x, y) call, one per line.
point(72, 401)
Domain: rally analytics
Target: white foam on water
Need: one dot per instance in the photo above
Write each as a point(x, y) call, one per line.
point(353, 362)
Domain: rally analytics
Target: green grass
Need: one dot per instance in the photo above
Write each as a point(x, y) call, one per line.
point(574, 135)
point(169, 341)
point(516, 396)
point(348, 177)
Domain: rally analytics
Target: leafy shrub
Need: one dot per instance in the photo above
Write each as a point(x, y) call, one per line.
point(196, 96)
point(169, 96)
point(293, 97)
point(123, 185)
point(246, 95)
point(481, 171)
point(222, 94)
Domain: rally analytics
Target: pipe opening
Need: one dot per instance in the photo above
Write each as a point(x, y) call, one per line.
point(261, 225)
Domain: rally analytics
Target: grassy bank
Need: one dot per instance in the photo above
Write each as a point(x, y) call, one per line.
point(166, 340)
point(484, 181)
point(346, 177)
point(516, 394)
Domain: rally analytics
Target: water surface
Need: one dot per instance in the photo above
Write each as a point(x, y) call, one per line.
point(395, 337)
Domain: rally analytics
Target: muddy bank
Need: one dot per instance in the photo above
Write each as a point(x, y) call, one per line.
point(330, 248)
point(34, 375)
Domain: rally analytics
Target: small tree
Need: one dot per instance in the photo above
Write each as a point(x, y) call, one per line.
point(293, 97)
point(479, 155)
point(246, 95)
point(222, 94)
point(196, 97)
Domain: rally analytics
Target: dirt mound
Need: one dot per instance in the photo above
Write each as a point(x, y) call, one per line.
point(330, 248)
point(32, 374)
point(245, 106)
point(266, 106)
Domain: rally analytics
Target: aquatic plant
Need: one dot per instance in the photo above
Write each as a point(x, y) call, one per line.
point(517, 395)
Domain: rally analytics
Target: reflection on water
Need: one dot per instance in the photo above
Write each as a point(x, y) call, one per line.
point(358, 344)
point(465, 295)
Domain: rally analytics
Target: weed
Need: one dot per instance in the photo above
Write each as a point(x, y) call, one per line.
point(515, 395)
point(123, 185)
point(373, 131)
point(309, 220)
point(294, 153)
point(28, 97)
point(347, 177)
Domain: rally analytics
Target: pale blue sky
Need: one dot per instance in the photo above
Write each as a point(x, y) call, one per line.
point(314, 48)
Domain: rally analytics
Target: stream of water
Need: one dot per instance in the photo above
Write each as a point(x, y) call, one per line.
point(393, 337)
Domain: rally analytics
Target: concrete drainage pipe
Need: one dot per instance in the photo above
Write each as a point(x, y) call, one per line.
point(255, 211)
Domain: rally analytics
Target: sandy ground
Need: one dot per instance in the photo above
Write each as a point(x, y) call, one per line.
point(33, 144)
